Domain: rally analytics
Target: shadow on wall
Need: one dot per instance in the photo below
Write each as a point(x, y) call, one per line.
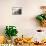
point(34, 22)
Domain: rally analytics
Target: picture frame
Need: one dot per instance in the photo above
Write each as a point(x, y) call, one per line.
point(16, 10)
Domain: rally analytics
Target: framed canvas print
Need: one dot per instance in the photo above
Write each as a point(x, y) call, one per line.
point(16, 10)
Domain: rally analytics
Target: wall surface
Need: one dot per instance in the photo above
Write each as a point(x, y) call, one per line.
point(25, 23)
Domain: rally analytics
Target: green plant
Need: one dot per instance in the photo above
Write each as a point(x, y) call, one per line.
point(11, 31)
point(41, 17)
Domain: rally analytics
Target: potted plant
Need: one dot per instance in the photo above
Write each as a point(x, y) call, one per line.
point(10, 31)
point(42, 17)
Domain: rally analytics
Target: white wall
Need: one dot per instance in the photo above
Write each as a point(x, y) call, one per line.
point(26, 22)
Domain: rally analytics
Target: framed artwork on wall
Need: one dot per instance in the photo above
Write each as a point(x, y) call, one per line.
point(16, 10)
